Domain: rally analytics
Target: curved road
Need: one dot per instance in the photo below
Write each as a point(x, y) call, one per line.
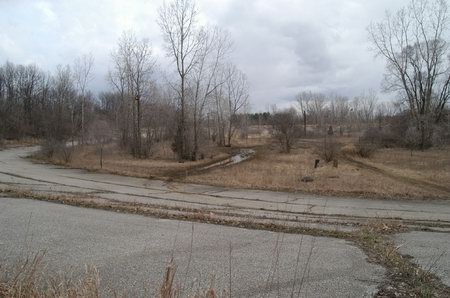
point(131, 250)
point(19, 173)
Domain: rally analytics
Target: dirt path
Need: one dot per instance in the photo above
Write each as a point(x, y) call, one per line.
point(412, 181)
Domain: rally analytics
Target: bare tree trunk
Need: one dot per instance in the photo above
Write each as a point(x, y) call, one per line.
point(83, 68)
point(182, 153)
point(134, 129)
point(139, 139)
point(304, 123)
point(82, 119)
point(195, 152)
point(230, 129)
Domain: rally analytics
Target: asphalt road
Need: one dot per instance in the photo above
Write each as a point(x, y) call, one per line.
point(431, 251)
point(23, 174)
point(131, 251)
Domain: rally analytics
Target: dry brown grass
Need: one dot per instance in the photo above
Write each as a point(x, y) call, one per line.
point(405, 279)
point(162, 164)
point(276, 171)
point(262, 139)
point(8, 144)
point(432, 165)
point(169, 289)
point(27, 279)
point(388, 173)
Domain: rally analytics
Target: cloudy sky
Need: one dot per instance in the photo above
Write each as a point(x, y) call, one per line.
point(284, 46)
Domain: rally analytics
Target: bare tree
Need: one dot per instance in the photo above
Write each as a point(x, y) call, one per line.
point(340, 110)
point(133, 68)
point(317, 108)
point(215, 46)
point(33, 103)
point(413, 45)
point(368, 103)
point(117, 78)
point(311, 105)
point(220, 111)
point(236, 87)
point(177, 20)
point(303, 101)
point(284, 127)
point(64, 105)
point(82, 75)
point(140, 69)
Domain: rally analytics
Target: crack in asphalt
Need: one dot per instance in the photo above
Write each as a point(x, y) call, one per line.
point(155, 195)
point(307, 211)
point(119, 184)
point(203, 198)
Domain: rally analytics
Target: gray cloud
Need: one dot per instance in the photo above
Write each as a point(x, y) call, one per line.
point(284, 46)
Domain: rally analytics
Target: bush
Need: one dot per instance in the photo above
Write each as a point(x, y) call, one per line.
point(441, 136)
point(365, 149)
point(381, 138)
point(412, 138)
point(53, 148)
point(330, 150)
point(284, 128)
point(66, 152)
point(49, 148)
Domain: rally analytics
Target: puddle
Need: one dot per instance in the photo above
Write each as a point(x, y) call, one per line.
point(239, 157)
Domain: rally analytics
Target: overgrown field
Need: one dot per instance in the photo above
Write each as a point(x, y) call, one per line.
point(387, 173)
point(162, 164)
point(383, 173)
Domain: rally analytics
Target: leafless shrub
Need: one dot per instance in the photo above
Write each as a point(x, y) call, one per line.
point(365, 149)
point(52, 148)
point(66, 152)
point(49, 148)
point(330, 149)
point(441, 136)
point(284, 124)
point(381, 138)
point(412, 138)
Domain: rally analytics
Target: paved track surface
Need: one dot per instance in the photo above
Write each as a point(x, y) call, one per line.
point(21, 173)
point(131, 251)
point(430, 250)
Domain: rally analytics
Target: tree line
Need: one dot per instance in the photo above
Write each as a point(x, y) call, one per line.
point(413, 43)
point(195, 101)
point(37, 104)
point(383, 123)
point(202, 96)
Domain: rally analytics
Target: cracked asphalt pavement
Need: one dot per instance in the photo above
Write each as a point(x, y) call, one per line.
point(131, 253)
point(132, 250)
point(20, 173)
point(431, 251)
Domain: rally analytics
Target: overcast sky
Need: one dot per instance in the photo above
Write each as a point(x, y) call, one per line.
point(284, 46)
